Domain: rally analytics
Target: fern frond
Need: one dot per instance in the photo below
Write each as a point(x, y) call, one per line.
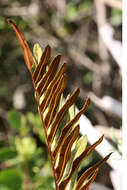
point(60, 125)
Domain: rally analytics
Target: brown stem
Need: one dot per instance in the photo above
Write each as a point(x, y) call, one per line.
point(48, 145)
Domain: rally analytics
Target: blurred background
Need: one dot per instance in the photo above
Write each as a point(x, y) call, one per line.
point(88, 35)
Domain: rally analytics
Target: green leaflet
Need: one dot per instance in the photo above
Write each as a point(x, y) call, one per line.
point(80, 146)
point(37, 52)
point(72, 111)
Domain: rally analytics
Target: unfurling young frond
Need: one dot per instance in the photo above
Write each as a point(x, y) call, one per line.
point(60, 123)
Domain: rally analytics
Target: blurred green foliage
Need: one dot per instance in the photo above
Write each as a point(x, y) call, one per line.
point(24, 161)
point(11, 179)
point(116, 17)
point(88, 78)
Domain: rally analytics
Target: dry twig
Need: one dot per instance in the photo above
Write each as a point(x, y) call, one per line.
point(113, 4)
point(108, 104)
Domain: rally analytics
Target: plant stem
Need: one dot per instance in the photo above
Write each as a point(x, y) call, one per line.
point(48, 145)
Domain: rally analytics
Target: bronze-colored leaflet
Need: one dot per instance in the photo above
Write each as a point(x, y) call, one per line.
point(49, 83)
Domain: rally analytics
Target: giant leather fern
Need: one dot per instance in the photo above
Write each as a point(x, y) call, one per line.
point(60, 123)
